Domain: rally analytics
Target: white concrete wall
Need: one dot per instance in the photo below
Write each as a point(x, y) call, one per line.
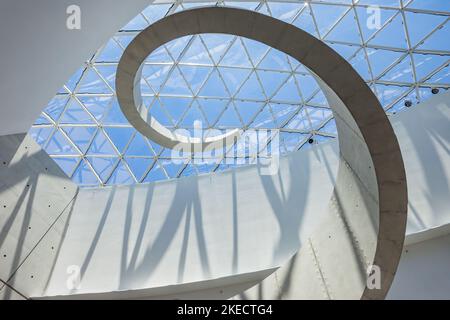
point(424, 271)
point(38, 53)
point(211, 226)
point(214, 226)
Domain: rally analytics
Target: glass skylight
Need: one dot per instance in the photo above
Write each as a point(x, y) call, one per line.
point(399, 47)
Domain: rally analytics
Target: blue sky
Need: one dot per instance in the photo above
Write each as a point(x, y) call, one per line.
point(228, 82)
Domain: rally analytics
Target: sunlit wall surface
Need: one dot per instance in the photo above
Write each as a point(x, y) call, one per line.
point(400, 47)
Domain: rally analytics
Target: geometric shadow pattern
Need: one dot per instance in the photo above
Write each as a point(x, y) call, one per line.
point(399, 47)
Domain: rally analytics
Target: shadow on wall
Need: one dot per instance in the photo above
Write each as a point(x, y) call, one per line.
point(25, 173)
point(430, 144)
point(287, 194)
point(187, 208)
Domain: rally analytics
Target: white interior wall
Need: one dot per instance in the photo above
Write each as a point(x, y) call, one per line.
point(424, 271)
point(39, 53)
point(207, 227)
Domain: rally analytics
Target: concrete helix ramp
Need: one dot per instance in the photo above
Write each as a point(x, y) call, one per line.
point(371, 168)
point(170, 239)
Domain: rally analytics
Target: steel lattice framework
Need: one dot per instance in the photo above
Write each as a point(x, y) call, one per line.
point(399, 47)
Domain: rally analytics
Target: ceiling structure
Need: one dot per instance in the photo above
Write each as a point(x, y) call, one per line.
point(399, 47)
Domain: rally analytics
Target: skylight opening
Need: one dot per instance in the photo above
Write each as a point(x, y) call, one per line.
point(401, 51)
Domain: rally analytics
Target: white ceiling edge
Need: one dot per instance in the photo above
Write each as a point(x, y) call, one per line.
point(39, 53)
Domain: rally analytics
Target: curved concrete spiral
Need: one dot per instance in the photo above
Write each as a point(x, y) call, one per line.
point(374, 213)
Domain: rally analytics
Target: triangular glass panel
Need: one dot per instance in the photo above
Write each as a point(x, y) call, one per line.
point(299, 121)
point(56, 106)
point(173, 169)
point(75, 113)
point(380, 59)
point(43, 119)
point(346, 51)
point(317, 116)
point(284, 11)
point(101, 145)
point(195, 76)
point(98, 106)
point(59, 145)
point(420, 25)
point(441, 77)
point(176, 107)
point(110, 53)
point(189, 170)
point(402, 72)
point(124, 39)
point(216, 44)
point(289, 92)
point(155, 12)
point(115, 115)
point(272, 81)
point(121, 175)
point(214, 86)
point(192, 115)
point(197, 53)
point(318, 99)
point(81, 136)
point(275, 60)
point(103, 166)
point(359, 62)
point(159, 112)
point(212, 108)
point(73, 81)
point(256, 50)
point(435, 5)
point(387, 93)
point(329, 127)
point(120, 136)
point(229, 118)
point(155, 76)
point(425, 64)
point(176, 47)
point(372, 18)
point(264, 119)
point(108, 72)
point(139, 147)
point(282, 112)
point(247, 109)
point(155, 174)
point(438, 40)
point(251, 89)
point(327, 15)
point(346, 30)
point(139, 166)
point(92, 83)
point(176, 85)
point(305, 22)
point(243, 5)
point(236, 56)
point(40, 134)
point(67, 164)
point(308, 85)
point(158, 56)
point(392, 35)
point(233, 78)
point(136, 24)
point(83, 175)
